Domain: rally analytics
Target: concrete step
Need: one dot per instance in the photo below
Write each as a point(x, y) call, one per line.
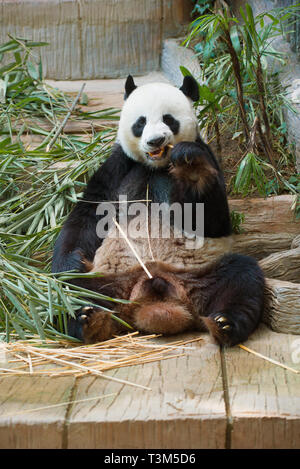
point(207, 397)
point(105, 93)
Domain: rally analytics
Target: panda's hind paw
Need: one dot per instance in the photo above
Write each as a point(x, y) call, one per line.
point(96, 324)
point(223, 330)
point(85, 313)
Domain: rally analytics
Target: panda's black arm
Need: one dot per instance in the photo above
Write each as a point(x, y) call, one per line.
point(197, 178)
point(78, 237)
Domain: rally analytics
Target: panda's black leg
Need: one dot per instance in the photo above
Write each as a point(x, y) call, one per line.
point(74, 326)
point(82, 318)
point(235, 301)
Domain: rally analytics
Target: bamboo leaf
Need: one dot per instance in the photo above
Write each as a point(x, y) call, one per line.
point(234, 35)
point(37, 320)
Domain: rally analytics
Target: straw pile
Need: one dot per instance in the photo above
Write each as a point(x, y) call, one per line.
point(52, 358)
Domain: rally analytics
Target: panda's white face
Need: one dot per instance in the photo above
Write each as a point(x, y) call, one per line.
point(154, 116)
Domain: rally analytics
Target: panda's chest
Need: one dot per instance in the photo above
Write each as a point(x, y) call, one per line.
point(157, 184)
point(160, 187)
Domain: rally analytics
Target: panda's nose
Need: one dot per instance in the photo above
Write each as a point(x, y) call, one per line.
point(156, 142)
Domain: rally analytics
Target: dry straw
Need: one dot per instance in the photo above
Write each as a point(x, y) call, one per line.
point(270, 360)
point(60, 404)
point(51, 358)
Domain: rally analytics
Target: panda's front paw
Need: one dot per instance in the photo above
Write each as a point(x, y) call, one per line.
point(190, 165)
point(185, 153)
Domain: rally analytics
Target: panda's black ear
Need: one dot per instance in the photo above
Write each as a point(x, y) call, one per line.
point(190, 88)
point(130, 86)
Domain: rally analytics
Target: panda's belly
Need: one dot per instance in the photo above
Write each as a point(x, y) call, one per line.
point(115, 255)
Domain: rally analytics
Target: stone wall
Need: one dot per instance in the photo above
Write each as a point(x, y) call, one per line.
point(96, 38)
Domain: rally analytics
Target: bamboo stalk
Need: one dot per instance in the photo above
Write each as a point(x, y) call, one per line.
point(30, 363)
point(266, 145)
point(132, 248)
point(148, 234)
point(263, 108)
point(62, 125)
point(238, 81)
point(271, 360)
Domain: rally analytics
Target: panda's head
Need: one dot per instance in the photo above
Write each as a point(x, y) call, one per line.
point(154, 116)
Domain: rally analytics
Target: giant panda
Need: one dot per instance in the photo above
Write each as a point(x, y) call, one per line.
point(160, 157)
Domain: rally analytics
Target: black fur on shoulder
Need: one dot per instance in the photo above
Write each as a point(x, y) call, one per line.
point(78, 238)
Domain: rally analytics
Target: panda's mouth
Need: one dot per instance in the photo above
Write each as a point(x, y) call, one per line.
point(158, 154)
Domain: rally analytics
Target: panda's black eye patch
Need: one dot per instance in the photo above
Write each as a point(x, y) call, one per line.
point(138, 126)
point(171, 122)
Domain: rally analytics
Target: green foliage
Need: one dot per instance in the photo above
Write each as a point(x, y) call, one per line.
point(37, 190)
point(25, 97)
point(22, 91)
point(237, 219)
point(240, 90)
point(32, 300)
point(201, 6)
point(251, 174)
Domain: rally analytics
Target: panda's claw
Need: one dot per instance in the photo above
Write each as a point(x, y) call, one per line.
point(224, 325)
point(222, 322)
point(221, 318)
point(85, 314)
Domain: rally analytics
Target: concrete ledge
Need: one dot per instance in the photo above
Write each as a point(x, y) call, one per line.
point(208, 398)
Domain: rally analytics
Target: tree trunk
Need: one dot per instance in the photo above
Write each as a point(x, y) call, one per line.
point(238, 81)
